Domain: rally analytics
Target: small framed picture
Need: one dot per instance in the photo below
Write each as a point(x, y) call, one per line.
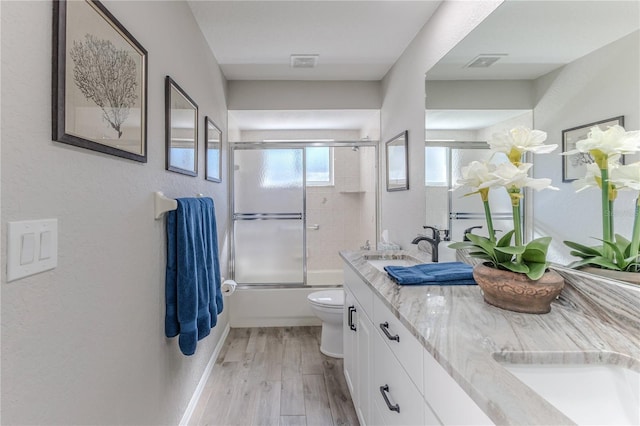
point(213, 151)
point(99, 81)
point(574, 166)
point(181, 130)
point(397, 155)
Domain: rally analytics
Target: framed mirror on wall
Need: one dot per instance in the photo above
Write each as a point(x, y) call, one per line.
point(397, 155)
point(181, 130)
point(213, 151)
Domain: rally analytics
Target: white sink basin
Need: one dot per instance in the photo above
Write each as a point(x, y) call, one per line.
point(588, 394)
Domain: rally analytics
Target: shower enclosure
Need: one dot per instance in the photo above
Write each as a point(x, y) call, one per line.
point(451, 210)
point(296, 205)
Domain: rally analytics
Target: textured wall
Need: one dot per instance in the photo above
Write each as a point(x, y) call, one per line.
point(84, 343)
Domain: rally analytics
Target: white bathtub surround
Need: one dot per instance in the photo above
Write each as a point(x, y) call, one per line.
point(592, 318)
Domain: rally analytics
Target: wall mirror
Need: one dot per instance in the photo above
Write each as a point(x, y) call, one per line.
point(181, 130)
point(397, 154)
point(503, 75)
point(213, 151)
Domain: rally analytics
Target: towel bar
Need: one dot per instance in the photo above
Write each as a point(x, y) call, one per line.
point(164, 204)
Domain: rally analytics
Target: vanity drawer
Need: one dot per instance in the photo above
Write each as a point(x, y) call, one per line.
point(361, 291)
point(392, 381)
point(401, 342)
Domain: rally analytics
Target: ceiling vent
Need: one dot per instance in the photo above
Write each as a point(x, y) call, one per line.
point(304, 61)
point(485, 60)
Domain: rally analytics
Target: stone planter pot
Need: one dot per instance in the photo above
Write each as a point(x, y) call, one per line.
point(516, 292)
point(629, 277)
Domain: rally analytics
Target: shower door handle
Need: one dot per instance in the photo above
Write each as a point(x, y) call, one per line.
point(314, 227)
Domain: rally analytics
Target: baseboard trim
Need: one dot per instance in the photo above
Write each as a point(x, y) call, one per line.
point(186, 418)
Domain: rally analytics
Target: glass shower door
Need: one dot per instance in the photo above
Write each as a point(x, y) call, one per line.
point(268, 216)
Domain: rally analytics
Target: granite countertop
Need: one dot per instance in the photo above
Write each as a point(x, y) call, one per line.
point(468, 336)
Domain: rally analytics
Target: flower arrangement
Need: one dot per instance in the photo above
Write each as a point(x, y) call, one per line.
point(606, 147)
point(512, 176)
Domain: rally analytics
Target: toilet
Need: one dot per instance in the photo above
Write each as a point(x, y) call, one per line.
point(328, 305)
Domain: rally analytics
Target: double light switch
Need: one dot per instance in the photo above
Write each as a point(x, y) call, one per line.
point(32, 247)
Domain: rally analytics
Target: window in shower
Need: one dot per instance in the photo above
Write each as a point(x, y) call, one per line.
point(319, 166)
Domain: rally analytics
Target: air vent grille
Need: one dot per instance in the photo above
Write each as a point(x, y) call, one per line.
point(304, 61)
point(485, 60)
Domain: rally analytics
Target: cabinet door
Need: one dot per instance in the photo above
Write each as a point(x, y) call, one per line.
point(364, 366)
point(349, 337)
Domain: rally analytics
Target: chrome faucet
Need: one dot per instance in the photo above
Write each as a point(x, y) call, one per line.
point(434, 240)
point(366, 246)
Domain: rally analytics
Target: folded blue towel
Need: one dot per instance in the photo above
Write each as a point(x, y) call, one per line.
point(192, 287)
point(448, 273)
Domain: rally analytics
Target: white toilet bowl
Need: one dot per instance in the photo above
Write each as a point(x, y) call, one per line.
point(328, 305)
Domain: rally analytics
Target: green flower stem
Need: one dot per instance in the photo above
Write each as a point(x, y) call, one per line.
point(635, 240)
point(517, 223)
point(487, 213)
point(606, 212)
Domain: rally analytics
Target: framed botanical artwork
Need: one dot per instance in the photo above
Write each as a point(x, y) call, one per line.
point(181, 130)
point(574, 166)
point(213, 151)
point(397, 154)
point(99, 81)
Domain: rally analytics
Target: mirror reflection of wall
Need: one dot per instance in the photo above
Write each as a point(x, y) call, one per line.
point(575, 62)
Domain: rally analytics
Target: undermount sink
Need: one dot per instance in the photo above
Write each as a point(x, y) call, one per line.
point(379, 261)
point(602, 394)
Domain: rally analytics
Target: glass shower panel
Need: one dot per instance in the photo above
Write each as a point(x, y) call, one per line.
point(268, 216)
point(466, 212)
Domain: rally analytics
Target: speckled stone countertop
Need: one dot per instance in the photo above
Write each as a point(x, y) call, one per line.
point(593, 321)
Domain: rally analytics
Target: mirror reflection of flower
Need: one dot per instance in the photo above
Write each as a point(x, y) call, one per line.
point(605, 147)
point(512, 176)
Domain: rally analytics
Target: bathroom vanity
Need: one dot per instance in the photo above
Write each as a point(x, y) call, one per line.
point(430, 355)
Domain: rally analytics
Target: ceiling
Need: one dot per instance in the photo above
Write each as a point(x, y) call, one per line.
point(355, 40)
point(538, 37)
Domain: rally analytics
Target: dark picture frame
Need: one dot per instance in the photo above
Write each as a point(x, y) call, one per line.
point(106, 117)
point(574, 166)
point(212, 151)
point(181, 130)
point(397, 162)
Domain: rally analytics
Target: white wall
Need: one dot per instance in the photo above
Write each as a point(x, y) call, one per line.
point(479, 94)
point(286, 95)
point(403, 107)
point(601, 85)
point(84, 343)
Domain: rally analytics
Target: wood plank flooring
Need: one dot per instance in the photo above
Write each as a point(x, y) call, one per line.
point(275, 376)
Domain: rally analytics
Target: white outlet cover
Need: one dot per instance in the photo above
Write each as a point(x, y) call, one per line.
point(15, 232)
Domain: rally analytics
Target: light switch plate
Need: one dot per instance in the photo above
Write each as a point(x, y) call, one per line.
point(43, 247)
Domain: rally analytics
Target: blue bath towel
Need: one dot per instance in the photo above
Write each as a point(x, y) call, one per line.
point(193, 296)
point(449, 273)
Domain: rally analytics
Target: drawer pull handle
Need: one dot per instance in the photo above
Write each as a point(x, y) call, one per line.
point(352, 326)
point(383, 390)
point(385, 329)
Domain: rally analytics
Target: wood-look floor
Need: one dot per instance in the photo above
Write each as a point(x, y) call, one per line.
point(275, 376)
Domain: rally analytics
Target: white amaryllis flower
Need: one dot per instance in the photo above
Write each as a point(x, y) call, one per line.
point(592, 178)
point(626, 177)
point(510, 176)
point(519, 140)
point(476, 174)
point(614, 140)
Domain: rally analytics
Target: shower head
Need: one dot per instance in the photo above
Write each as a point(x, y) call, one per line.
point(355, 148)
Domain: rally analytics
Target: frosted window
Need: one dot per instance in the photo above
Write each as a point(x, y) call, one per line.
point(435, 166)
point(280, 167)
point(319, 166)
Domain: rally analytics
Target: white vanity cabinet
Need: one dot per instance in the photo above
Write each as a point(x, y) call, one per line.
point(393, 380)
point(358, 349)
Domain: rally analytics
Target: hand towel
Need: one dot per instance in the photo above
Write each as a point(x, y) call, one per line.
point(192, 287)
point(448, 273)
